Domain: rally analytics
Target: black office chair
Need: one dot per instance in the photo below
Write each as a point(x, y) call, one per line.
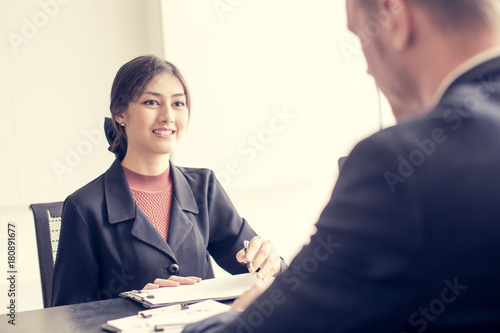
point(47, 227)
point(341, 162)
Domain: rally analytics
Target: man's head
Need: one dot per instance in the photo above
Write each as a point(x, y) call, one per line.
point(451, 14)
point(411, 45)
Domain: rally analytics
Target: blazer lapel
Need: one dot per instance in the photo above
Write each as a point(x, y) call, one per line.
point(119, 201)
point(122, 207)
point(145, 231)
point(183, 204)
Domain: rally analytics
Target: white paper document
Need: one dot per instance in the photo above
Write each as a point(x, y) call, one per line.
point(229, 287)
point(167, 319)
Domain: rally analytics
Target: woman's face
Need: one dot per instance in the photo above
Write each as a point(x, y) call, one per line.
point(156, 121)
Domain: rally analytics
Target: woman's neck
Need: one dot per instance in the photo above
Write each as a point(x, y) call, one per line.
point(148, 166)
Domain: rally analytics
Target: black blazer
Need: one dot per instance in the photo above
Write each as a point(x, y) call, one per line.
point(410, 240)
point(107, 245)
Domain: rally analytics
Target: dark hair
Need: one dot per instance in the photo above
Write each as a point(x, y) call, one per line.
point(129, 84)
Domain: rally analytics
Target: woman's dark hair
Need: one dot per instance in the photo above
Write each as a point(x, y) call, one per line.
point(129, 84)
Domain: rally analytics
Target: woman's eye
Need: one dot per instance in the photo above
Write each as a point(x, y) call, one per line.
point(179, 104)
point(151, 102)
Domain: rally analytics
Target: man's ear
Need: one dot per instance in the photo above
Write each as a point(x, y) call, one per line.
point(399, 23)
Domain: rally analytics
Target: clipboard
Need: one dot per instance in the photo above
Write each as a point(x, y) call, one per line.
point(165, 319)
point(223, 288)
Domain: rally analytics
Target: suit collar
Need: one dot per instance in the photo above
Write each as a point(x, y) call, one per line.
point(182, 191)
point(464, 68)
point(120, 202)
point(481, 73)
point(478, 85)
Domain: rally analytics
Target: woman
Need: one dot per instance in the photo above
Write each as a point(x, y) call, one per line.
point(146, 223)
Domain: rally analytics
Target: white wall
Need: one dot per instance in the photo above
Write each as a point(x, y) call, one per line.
point(56, 88)
point(57, 62)
point(246, 60)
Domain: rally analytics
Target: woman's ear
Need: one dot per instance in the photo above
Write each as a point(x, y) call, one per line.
point(119, 118)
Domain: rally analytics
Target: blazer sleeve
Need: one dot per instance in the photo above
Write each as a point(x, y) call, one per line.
point(354, 275)
point(227, 229)
point(76, 271)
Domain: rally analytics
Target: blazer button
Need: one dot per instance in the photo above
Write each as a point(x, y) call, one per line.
point(173, 269)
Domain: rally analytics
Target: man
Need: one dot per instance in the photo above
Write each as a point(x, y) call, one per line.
point(410, 241)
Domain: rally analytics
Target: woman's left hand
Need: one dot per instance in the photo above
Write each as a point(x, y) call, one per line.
point(172, 281)
point(262, 254)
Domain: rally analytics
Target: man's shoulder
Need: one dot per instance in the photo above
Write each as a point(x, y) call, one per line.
point(401, 135)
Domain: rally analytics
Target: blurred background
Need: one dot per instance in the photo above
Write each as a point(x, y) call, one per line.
point(279, 92)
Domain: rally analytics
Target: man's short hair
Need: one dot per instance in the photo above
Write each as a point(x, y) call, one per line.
point(455, 14)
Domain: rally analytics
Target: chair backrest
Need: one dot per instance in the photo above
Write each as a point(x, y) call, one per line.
point(341, 162)
point(47, 228)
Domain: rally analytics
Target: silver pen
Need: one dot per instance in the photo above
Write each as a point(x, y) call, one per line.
point(245, 244)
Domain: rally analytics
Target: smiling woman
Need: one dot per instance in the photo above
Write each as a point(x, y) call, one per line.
point(134, 84)
point(154, 122)
point(146, 223)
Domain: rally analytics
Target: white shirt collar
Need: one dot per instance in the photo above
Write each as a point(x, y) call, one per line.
point(469, 64)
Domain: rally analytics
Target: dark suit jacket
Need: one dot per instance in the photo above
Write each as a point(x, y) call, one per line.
point(410, 240)
point(107, 245)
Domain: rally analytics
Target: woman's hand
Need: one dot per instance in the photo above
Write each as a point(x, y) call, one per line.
point(250, 295)
point(173, 281)
point(262, 254)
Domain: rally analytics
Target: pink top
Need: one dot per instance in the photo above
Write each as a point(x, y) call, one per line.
point(153, 194)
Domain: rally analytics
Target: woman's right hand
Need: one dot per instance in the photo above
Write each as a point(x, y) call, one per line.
point(173, 281)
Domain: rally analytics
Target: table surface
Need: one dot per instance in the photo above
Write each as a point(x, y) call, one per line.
point(76, 318)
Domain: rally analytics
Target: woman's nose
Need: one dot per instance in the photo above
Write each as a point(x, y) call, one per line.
point(167, 115)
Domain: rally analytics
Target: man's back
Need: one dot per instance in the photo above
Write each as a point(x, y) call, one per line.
point(409, 241)
point(416, 217)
